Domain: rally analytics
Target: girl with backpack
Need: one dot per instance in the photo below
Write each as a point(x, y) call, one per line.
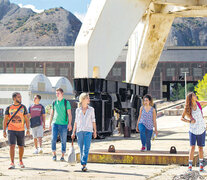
point(197, 131)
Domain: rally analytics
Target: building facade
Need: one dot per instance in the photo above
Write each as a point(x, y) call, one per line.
point(59, 61)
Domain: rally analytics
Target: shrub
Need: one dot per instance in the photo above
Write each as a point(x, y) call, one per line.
point(201, 87)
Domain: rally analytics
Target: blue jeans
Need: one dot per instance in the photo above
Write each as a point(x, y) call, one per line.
point(145, 135)
point(62, 130)
point(84, 142)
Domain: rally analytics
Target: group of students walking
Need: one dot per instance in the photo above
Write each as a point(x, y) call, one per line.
point(17, 115)
point(85, 125)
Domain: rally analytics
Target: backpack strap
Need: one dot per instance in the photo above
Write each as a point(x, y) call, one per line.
point(53, 104)
point(65, 103)
point(199, 105)
point(14, 114)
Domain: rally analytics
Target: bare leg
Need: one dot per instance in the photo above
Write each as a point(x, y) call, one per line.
point(40, 142)
point(35, 143)
point(21, 152)
point(192, 150)
point(12, 152)
point(200, 149)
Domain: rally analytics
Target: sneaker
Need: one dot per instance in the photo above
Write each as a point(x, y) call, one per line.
point(54, 158)
point(12, 166)
point(143, 149)
point(62, 159)
point(84, 169)
point(201, 168)
point(40, 150)
point(21, 164)
point(190, 168)
point(35, 151)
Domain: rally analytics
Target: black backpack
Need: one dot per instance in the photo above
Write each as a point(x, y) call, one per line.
point(65, 103)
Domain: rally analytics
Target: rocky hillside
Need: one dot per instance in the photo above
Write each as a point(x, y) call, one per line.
point(58, 27)
point(188, 32)
point(23, 27)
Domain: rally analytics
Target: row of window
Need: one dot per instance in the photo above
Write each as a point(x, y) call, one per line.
point(197, 72)
point(50, 71)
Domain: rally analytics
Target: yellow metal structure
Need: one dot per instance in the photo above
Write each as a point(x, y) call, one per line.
point(138, 157)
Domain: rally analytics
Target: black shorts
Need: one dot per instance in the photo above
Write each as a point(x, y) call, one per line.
point(16, 136)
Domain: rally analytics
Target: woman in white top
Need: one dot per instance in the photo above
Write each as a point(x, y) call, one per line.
point(197, 131)
point(85, 124)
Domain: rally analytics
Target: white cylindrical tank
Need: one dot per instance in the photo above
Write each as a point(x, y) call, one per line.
point(61, 82)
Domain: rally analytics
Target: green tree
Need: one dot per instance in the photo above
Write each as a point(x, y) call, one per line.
point(201, 89)
point(178, 91)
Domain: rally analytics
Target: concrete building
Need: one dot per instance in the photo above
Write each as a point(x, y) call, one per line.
point(59, 61)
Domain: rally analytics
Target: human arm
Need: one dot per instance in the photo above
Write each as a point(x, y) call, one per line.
point(203, 103)
point(43, 121)
point(51, 118)
point(94, 130)
point(154, 121)
point(140, 113)
point(26, 118)
point(69, 119)
point(6, 118)
point(74, 130)
point(186, 120)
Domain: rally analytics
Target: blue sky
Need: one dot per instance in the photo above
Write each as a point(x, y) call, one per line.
point(77, 7)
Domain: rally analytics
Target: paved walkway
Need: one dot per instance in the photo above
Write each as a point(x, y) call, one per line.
point(171, 132)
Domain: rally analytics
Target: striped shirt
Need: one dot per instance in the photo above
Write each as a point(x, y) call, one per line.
point(147, 118)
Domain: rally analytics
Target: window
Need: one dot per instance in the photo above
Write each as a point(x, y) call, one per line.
point(182, 70)
point(29, 70)
point(39, 70)
point(197, 72)
point(1, 70)
point(19, 70)
point(9, 70)
point(41, 86)
point(170, 72)
point(50, 71)
point(116, 72)
point(63, 71)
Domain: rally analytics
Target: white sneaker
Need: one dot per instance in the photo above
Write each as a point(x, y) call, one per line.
point(40, 150)
point(36, 151)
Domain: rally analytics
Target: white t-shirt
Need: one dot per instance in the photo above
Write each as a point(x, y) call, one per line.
point(85, 122)
point(200, 126)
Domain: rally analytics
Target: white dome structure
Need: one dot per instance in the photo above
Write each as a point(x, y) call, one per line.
point(61, 82)
point(30, 82)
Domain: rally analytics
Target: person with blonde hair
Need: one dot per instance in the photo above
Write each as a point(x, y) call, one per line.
point(85, 125)
point(197, 131)
point(146, 122)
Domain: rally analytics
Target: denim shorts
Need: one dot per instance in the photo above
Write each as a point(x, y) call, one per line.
point(200, 139)
point(16, 137)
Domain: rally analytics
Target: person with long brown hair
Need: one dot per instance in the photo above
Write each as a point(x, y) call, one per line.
point(146, 122)
point(197, 131)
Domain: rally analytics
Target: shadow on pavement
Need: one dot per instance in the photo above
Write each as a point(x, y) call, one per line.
point(45, 169)
point(115, 173)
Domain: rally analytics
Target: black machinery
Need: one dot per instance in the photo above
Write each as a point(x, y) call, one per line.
point(113, 102)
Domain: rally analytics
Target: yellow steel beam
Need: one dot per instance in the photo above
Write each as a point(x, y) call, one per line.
point(159, 158)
